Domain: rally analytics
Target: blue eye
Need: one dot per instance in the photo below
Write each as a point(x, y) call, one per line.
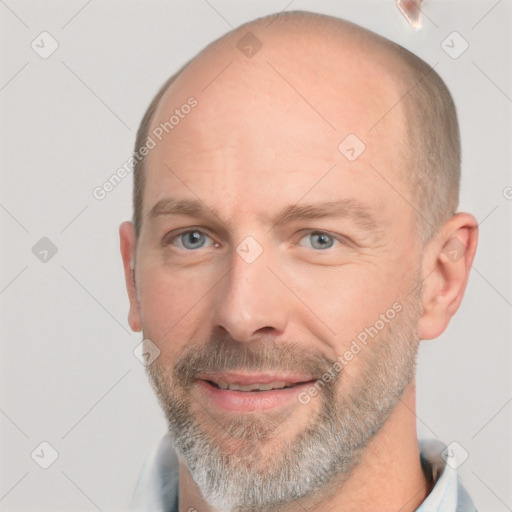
point(319, 240)
point(191, 240)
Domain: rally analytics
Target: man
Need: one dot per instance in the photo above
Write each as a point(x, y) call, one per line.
point(294, 237)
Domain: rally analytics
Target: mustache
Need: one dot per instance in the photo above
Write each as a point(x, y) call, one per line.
point(223, 353)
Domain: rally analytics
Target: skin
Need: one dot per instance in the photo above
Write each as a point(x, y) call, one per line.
point(252, 147)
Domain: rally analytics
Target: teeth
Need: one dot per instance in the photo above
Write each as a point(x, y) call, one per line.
point(251, 387)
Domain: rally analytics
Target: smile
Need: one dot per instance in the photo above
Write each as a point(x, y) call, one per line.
point(251, 392)
point(251, 387)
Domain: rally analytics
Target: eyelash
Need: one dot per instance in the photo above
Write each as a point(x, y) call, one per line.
point(169, 241)
point(337, 238)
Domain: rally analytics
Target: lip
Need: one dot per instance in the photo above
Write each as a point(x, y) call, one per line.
point(249, 401)
point(244, 379)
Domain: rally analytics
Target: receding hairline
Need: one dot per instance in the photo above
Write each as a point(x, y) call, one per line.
point(396, 62)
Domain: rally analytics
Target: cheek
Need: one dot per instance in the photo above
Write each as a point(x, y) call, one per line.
point(171, 303)
point(348, 299)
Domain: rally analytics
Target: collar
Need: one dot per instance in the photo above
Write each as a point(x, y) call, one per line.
point(448, 494)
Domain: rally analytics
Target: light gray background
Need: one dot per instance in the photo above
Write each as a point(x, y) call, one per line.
point(68, 374)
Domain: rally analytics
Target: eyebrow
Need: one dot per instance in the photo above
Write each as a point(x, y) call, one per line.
point(172, 206)
point(354, 210)
point(360, 213)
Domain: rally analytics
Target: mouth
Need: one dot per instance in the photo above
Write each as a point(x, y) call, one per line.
point(252, 387)
point(252, 392)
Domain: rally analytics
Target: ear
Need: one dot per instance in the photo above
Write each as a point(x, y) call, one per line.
point(128, 244)
point(446, 267)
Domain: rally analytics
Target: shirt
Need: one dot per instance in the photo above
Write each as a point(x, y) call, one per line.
point(157, 487)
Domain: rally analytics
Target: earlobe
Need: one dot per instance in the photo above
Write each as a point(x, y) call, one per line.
point(447, 265)
point(127, 245)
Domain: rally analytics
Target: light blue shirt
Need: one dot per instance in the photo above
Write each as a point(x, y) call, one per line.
point(157, 487)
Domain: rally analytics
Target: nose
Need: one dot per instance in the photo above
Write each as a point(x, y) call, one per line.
point(251, 301)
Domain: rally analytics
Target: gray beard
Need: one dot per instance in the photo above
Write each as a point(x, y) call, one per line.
point(237, 463)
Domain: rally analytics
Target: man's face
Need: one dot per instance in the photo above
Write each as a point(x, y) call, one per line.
point(292, 253)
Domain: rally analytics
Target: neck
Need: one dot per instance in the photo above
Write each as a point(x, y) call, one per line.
point(388, 477)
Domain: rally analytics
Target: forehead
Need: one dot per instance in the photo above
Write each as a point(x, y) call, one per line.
point(279, 121)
